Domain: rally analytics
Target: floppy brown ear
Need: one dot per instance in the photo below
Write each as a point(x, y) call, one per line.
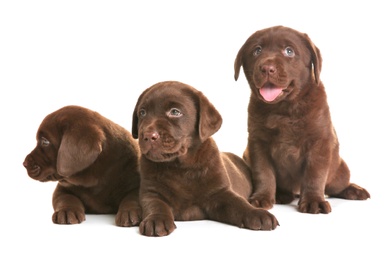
point(79, 148)
point(135, 122)
point(316, 59)
point(238, 63)
point(210, 120)
point(135, 118)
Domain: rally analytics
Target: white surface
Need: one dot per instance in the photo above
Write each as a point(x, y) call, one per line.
point(103, 54)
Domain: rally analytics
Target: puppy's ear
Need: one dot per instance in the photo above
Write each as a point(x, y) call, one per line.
point(135, 118)
point(316, 59)
point(210, 120)
point(79, 148)
point(238, 63)
point(135, 122)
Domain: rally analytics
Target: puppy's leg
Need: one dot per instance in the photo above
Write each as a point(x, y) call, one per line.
point(263, 176)
point(340, 187)
point(227, 207)
point(314, 179)
point(312, 193)
point(130, 212)
point(68, 209)
point(158, 219)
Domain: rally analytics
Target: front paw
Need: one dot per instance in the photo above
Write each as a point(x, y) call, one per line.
point(314, 206)
point(260, 219)
point(262, 201)
point(157, 225)
point(128, 218)
point(68, 216)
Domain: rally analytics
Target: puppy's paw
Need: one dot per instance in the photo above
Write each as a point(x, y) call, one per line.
point(128, 218)
point(354, 192)
point(68, 216)
point(260, 219)
point(314, 206)
point(262, 201)
point(157, 225)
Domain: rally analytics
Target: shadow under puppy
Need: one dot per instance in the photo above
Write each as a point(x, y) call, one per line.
point(292, 146)
point(183, 174)
point(96, 164)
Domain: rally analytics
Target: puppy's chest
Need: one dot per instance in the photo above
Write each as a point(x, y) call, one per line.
point(287, 137)
point(186, 187)
point(284, 127)
point(185, 193)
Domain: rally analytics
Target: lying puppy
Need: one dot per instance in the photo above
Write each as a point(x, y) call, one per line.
point(95, 162)
point(183, 174)
point(292, 146)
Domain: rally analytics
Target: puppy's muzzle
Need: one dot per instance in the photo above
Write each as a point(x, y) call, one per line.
point(32, 168)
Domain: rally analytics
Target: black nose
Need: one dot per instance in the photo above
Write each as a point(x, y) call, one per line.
point(150, 136)
point(268, 69)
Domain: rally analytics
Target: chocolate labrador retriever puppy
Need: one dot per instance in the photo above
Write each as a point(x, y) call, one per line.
point(94, 161)
point(292, 146)
point(183, 174)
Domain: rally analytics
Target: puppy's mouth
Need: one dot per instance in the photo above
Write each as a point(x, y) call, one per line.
point(157, 153)
point(36, 174)
point(158, 156)
point(161, 157)
point(270, 92)
point(34, 171)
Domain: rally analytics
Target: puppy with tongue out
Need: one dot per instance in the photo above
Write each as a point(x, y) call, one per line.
point(292, 147)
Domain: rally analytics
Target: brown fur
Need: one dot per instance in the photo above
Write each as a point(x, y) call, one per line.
point(292, 146)
point(95, 162)
point(183, 174)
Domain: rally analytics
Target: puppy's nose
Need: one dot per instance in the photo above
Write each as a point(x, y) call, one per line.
point(27, 161)
point(150, 136)
point(268, 69)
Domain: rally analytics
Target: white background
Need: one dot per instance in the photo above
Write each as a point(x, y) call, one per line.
point(103, 54)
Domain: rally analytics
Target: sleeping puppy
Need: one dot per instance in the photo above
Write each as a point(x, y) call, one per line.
point(95, 163)
point(183, 174)
point(292, 146)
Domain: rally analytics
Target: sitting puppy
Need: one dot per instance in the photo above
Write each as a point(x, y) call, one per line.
point(183, 174)
point(292, 146)
point(95, 162)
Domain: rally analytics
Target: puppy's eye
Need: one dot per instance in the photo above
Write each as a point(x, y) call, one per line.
point(289, 52)
point(44, 142)
point(142, 112)
point(174, 112)
point(257, 51)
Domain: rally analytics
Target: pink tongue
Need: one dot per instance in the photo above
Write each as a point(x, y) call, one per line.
point(270, 93)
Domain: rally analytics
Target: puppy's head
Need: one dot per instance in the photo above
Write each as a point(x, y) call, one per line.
point(278, 63)
point(68, 141)
point(170, 118)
